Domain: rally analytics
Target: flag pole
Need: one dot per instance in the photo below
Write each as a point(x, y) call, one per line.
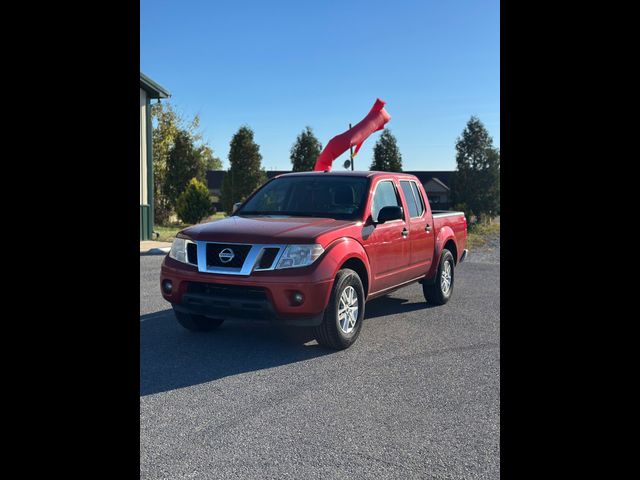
point(351, 152)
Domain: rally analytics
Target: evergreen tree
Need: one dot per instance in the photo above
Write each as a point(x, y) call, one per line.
point(194, 203)
point(386, 154)
point(245, 173)
point(183, 164)
point(477, 180)
point(305, 151)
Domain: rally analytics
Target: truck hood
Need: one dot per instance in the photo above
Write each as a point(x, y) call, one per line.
point(269, 230)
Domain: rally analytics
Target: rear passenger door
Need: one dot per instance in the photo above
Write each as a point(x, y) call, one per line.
point(421, 232)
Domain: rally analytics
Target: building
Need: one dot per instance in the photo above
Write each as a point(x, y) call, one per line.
point(436, 184)
point(148, 90)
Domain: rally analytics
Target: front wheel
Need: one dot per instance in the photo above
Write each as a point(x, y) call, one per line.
point(440, 291)
point(343, 316)
point(197, 323)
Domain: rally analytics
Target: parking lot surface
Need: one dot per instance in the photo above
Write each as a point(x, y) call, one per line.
point(417, 396)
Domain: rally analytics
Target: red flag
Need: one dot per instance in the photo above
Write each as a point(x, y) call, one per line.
point(374, 121)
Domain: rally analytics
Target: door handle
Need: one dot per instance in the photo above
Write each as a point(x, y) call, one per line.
point(405, 232)
point(427, 228)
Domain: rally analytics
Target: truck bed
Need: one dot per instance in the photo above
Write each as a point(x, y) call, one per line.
point(457, 222)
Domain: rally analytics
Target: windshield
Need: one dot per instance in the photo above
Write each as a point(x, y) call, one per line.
point(310, 196)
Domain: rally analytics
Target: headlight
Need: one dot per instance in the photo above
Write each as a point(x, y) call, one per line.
point(299, 256)
point(179, 250)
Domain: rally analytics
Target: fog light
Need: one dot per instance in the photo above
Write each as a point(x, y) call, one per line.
point(167, 286)
point(297, 298)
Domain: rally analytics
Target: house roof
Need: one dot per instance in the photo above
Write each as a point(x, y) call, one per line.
point(154, 89)
point(439, 182)
point(443, 176)
point(214, 179)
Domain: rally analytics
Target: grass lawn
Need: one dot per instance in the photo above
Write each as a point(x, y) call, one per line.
point(477, 235)
point(168, 232)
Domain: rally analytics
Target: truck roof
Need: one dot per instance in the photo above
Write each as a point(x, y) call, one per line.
point(347, 173)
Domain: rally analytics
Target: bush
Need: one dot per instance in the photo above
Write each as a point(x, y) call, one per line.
point(194, 203)
point(463, 207)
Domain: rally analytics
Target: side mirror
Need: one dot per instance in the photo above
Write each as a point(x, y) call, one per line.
point(390, 213)
point(236, 206)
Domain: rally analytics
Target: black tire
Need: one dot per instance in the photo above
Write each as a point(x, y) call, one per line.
point(435, 293)
point(330, 333)
point(197, 323)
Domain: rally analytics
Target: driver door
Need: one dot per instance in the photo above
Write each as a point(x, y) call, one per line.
point(388, 244)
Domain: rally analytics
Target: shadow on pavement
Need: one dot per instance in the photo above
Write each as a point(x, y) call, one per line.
point(172, 357)
point(383, 306)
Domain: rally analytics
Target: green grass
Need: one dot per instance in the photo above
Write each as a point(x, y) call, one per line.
point(168, 232)
point(477, 234)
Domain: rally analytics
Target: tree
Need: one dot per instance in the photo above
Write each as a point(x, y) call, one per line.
point(167, 126)
point(305, 151)
point(168, 122)
point(211, 162)
point(386, 155)
point(245, 173)
point(183, 164)
point(194, 203)
point(477, 180)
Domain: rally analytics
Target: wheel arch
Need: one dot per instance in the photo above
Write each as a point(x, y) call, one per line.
point(444, 239)
point(451, 246)
point(358, 266)
point(347, 252)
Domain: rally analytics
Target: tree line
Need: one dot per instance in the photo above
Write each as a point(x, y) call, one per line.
point(181, 158)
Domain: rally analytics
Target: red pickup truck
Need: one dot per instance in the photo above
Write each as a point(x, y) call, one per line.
point(309, 249)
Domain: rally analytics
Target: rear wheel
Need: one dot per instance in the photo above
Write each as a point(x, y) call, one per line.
point(440, 291)
point(197, 323)
point(343, 316)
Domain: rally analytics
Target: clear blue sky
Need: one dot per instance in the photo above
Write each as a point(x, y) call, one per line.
point(278, 66)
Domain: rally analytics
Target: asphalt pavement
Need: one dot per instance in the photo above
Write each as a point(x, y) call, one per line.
point(417, 396)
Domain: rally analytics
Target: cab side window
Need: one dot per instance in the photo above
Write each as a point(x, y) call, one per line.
point(410, 198)
point(419, 198)
point(385, 196)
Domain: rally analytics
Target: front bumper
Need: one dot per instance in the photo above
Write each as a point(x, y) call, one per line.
point(260, 296)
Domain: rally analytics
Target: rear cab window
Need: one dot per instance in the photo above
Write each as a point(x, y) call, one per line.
point(412, 196)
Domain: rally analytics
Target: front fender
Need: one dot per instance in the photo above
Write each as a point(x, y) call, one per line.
point(341, 250)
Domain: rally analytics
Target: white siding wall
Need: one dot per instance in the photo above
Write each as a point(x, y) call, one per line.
point(143, 147)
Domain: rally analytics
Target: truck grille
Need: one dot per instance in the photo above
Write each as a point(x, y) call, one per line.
point(192, 253)
point(268, 256)
point(233, 258)
point(236, 253)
